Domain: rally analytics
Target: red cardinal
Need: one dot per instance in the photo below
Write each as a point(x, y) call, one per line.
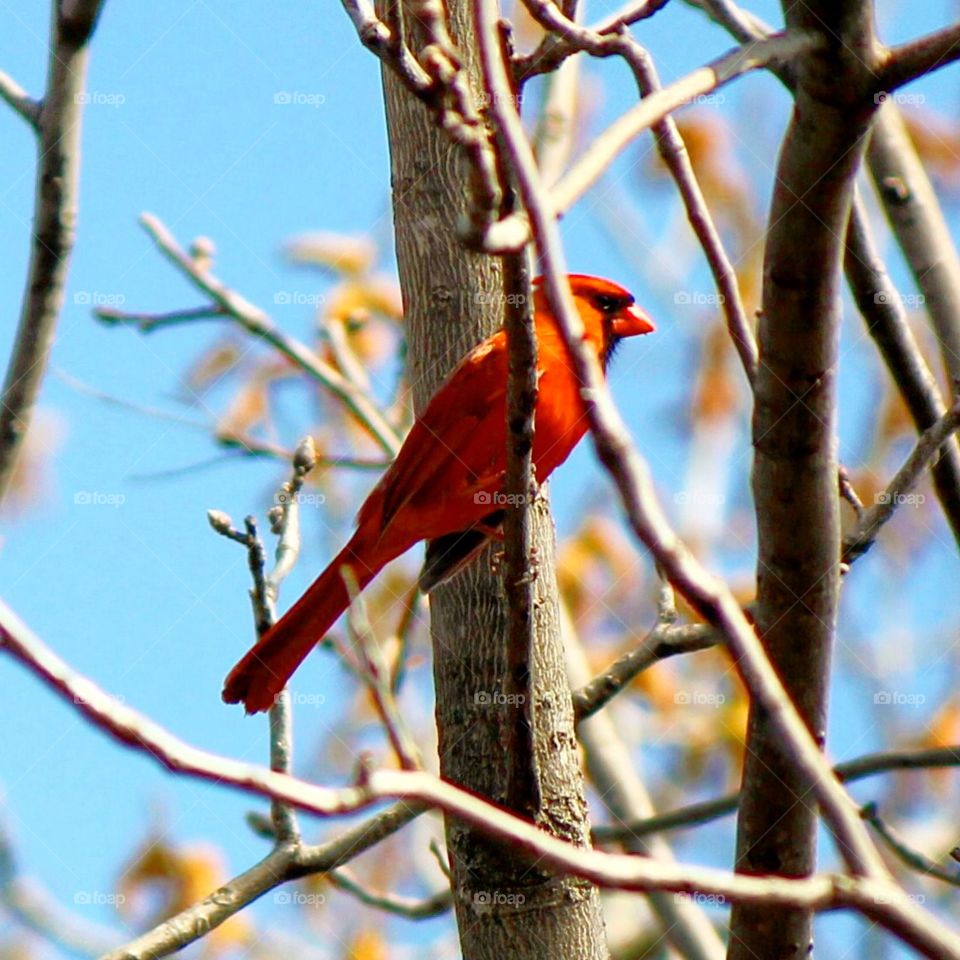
point(444, 485)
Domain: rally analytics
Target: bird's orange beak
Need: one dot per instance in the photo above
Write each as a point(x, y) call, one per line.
point(631, 322)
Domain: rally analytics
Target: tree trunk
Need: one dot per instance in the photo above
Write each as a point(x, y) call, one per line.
point(505, 905)
point(795, 459)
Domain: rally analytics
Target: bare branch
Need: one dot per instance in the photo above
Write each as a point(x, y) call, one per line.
point(408, 907)
point(281, 865)
point(438, 80)
point(257, 323)
point(20, 101)
point(795, 468)
point(912, 60)
point(618, 42)
point(883, 311)
point(848, 492)
point(877, 898)
point(918, 223)
point(388, 45)
point(902, 483)
point(695, 814)
point(923, 235)
point(148, 322)
point(58, 126)
point(523, 782)
point(374, 672)
point(556, 46)
point(663, 641)
point(741, 24)
point(285, 523)
point(605, 147)
point(621, 790)
point(912, 858)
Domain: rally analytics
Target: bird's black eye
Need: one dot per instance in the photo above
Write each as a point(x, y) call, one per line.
point(608, 304)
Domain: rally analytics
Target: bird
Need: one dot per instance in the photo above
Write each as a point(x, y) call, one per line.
point(446, 484)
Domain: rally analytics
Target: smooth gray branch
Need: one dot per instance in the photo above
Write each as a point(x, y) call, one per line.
point(885, 316)
point(20, 101)
point(918, 57)
point(921, 230)
point(58, 124)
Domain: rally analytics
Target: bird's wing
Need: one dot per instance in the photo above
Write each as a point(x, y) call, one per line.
point(456, 447)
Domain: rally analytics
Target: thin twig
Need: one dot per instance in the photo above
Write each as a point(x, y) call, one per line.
point(885, 315)
point(370, 667)
point(388, 45)
point(621, 790)
point(148, 322)
point(257, 323)
point(285, 522)
point(848, 491)
point(912, 858)
point(343, 354)
point(556, 48)
point(663, 641)
point(618, 42)
point(921, 230)
point(695, 814)
point(606, 146)
point(898, 490)
point(408, 907)
point(283, 864)
point(514, 230)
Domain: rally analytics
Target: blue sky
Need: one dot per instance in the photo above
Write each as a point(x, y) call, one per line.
point(188, 120)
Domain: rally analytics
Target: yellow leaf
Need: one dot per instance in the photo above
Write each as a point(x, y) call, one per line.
point(341, 253)
point(367, 945)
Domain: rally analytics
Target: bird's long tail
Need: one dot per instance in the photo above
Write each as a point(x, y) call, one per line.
point(264, 671)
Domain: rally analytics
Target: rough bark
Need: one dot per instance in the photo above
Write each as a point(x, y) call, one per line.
point(505, 906)
point(795, 465)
